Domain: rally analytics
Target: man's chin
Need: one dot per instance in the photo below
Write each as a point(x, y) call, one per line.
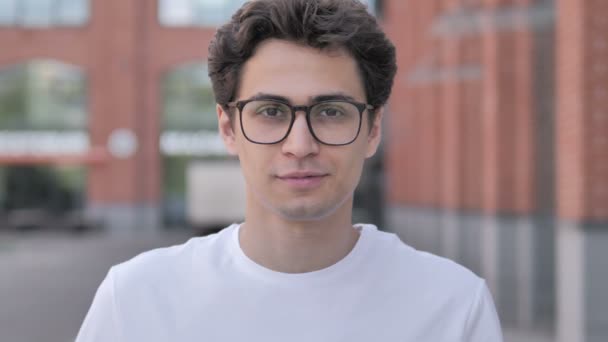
point(303, 213)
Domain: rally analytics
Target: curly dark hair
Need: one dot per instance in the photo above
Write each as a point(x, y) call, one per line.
point(321, 24)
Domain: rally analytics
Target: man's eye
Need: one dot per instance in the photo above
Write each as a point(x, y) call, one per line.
point(331, 112)
point(271, 111)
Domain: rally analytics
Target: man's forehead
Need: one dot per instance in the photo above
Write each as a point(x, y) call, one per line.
point(300, 73)
point(273, 53)
point(284, 44)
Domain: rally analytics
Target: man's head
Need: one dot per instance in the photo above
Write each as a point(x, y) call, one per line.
point(300, 86)
point(320, 24)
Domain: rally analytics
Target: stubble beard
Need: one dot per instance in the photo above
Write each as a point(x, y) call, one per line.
point(302, 209)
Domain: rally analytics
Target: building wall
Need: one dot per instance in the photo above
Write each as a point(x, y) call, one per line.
point(124, 52)
point(462, 126)
point(582, 168)
point(497, 146)
point(474, 97)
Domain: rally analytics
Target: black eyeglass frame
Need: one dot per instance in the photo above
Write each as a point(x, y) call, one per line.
point(294, 109)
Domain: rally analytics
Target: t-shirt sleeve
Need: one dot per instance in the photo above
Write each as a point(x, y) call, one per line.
point(482, 323)
point(100, 323)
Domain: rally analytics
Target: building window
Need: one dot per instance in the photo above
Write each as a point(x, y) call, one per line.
point(43, 112)
point(189, 133)
point(189, 118)
point(44, 13)
point(43, 95)
point(43, 109)
point(196, 12)
point(211, 13)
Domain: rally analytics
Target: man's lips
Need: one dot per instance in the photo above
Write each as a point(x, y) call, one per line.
point(303, 179)
point(301, 174)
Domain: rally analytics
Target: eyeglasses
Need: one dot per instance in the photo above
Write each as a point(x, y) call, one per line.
point(269, 121)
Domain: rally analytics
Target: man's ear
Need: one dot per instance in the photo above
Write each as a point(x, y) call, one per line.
point(375, 133)
point(226, 129)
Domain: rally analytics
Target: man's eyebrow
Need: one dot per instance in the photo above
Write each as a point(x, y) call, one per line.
point(313, 99)
point(266, 96)
point(332, 97)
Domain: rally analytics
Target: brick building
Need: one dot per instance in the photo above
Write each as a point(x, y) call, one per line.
point(496, 148)
point(125, 49)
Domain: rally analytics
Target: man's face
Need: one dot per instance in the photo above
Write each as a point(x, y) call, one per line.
point(299, 178)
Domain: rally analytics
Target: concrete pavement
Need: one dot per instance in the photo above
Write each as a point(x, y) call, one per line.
point(48, 280)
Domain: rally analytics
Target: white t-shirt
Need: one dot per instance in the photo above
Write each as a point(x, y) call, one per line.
point(208, 290)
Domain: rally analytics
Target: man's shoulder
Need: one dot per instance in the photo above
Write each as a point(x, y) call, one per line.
point(414, 278)
point(169, 261)
point(429, 269)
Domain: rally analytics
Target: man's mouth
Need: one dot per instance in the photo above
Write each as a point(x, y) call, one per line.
point(303, 179)
point(302, 174)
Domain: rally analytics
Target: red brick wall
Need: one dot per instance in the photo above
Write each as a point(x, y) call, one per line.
point(470, 143)
point(451, 119)
point(471, 131)
point(507, 123)
point(468, 124)
point(582, 109)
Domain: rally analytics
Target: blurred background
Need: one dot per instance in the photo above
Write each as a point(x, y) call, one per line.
point(495, 151)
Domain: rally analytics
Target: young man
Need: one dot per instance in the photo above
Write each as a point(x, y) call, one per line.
point(300, 87)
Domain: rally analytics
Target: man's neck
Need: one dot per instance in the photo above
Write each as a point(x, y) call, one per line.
point(298, 246)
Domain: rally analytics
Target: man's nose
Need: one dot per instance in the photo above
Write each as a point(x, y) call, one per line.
point(300, 142)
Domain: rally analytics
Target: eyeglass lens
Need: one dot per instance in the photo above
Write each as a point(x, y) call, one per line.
point(332, 122)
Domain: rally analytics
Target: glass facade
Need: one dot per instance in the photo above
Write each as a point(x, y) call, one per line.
point(189, 119)
point(44, 13)
point(183, 13)
point(43, 112)
point(189, 133)
point(43, 95)
point(196, 12)
point(188, 99)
